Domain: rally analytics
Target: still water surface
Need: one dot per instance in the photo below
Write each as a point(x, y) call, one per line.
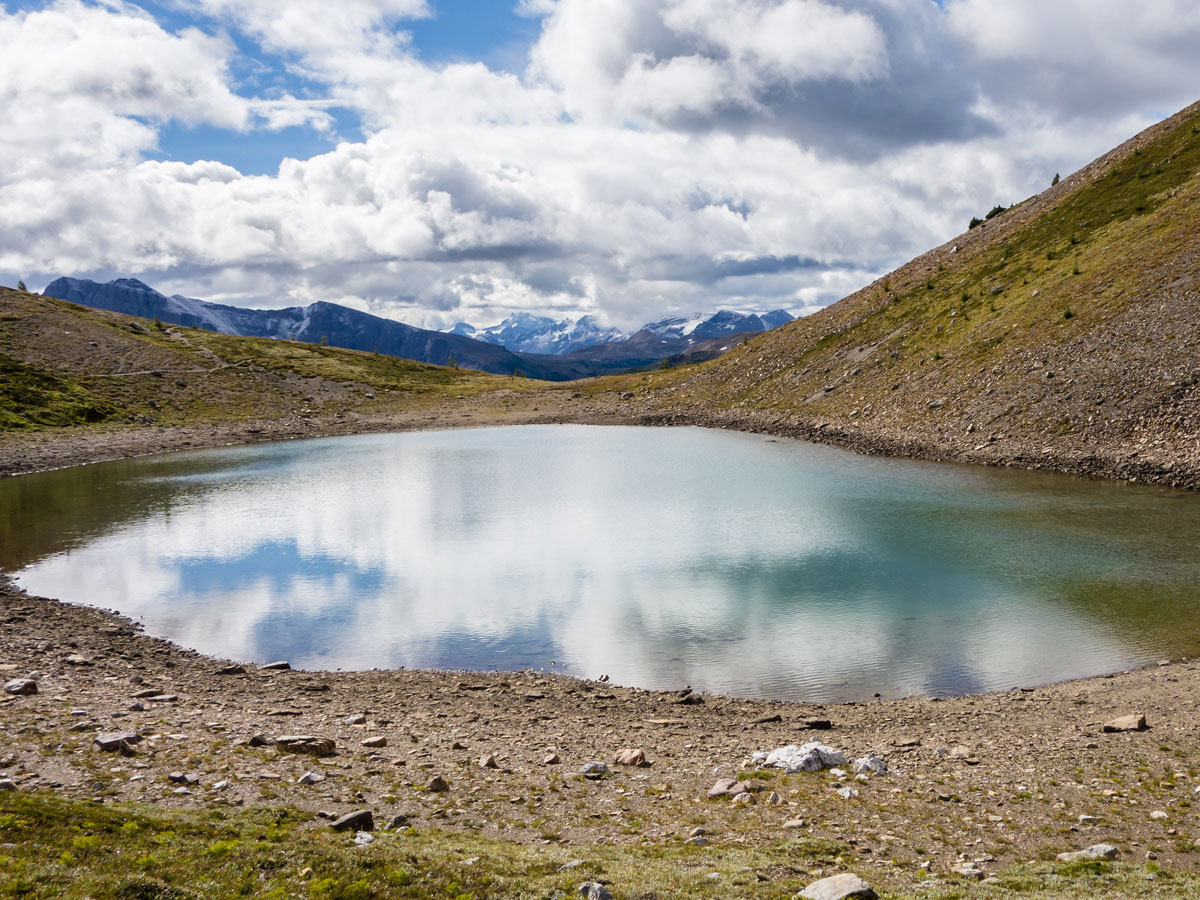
point(662, 557)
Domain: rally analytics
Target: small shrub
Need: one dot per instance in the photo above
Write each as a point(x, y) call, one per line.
point(975, 222)
point(1055, 180)
point(1068, 314)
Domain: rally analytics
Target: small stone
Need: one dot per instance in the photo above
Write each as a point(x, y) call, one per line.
point(839, 887)
point(162, 698)
point(793, 824)
point(630, 756)
point(76, 660)
point(305, 743)
point(146, 692)
point(361, 820)
point(698, 831)
point(437, 784)
point(219, 786)
point(593, 890)
point(488, 761)
point(871, 764)
point(281, 665)
point(363, 838)
point(551, 759)
point(378, 741)
point(847, 793)
point(357, 719)
point(690, 700)
point(594, 770)
point(231, 670)
point(1158, 814)
point(817, 724)
point(177, 777)
point(698, 841)
point(400, 820)
point(773, 799)
point(745, 798)
point(968, 870)
point(310, 778)
point(137, 706)
point(1096, 851)
point(21, 687)
point(726, 787)
point(1126, 723)
point(116, 740)
point(1087, 820)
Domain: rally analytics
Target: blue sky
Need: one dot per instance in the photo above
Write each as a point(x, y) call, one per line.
point(438, 161)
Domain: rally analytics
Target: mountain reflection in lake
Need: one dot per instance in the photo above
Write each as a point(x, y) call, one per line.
point(662, 557)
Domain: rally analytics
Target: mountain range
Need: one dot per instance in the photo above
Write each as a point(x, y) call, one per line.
point(537, 347)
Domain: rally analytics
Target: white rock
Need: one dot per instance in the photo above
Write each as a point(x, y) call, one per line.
point(1096, 851)
point(811, 757)
point(839, 887)
point(363, 838)
point(847, 793)
point(870, 765)
point(310, 778)
point(1158, 814)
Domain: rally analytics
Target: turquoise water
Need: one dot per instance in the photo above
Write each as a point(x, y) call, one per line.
point(660, 557)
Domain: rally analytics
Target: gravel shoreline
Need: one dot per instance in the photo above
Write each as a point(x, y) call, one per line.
point(990, 780)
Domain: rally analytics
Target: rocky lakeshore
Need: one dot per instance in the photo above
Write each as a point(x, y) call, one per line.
point(947, 790)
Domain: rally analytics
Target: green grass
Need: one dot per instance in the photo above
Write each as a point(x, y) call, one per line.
point(31, 397)
point(56, 848)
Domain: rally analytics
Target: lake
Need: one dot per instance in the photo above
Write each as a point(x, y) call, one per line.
point(662, 557)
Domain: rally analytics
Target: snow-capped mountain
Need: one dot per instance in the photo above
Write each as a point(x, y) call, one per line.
point(720, 324)
point(526, 333)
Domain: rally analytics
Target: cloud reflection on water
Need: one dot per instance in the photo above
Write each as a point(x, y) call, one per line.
point(660, 557)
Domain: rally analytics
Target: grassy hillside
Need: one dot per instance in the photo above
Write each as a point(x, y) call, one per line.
point(64, 365)
point(1067, 324)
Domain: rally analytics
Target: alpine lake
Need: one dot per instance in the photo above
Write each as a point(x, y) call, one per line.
point(661, 557)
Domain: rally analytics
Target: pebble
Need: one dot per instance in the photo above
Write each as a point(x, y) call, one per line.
point(1158, 814)
point(968, 870)
point(21, 687)
point(357, 719)
point(594, 770)
point(7, 784)
point(839, 887)
point(437, 784)
point(76, 660)
point(793, 824)
point(397, 821)
point(379, 741)
point(488, 762)
point(847, 793)
point(363, 838)
point(310, 778)
point(162, 698)
point(551, 759)
point(698, 831)
point(281, 665)
point(231, 670)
